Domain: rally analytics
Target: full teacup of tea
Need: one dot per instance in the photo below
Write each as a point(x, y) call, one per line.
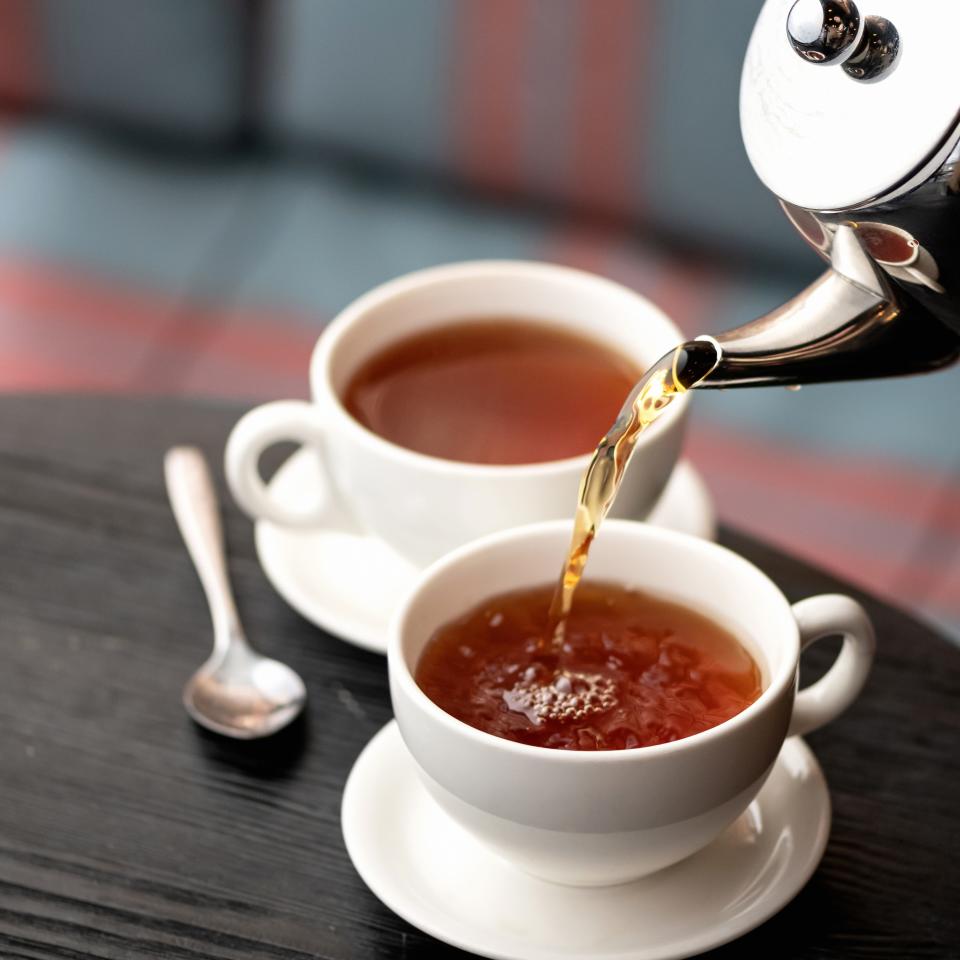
point(632, 739)
point(462, 400)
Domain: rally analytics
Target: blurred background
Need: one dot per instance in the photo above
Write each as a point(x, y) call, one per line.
point(191, 189)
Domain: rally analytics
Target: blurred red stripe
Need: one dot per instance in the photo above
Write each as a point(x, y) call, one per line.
point(494, 41)
point(91, 366)
point(261, 337)
point(684, 289)
point(22, 371)
point(21, 63)
point(881, 524)
point(891, 573)
point(886, 573)
point(607, 101)
point(880, 487)
point(586, 248)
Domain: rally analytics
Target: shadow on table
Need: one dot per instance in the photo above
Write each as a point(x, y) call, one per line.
point(271, 758)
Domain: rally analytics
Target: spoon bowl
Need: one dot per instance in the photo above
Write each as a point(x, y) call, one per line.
point(255, 703)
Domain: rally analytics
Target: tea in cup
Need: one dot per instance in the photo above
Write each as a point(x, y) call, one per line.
point(629, 670)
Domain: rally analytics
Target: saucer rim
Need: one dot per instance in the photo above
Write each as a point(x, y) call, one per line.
point(328, 618)
point(772, 903)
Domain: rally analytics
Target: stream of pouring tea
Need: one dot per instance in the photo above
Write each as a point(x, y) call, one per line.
point(673, 374)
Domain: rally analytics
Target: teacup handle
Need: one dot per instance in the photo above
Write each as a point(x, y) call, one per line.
point(824, 616)
point(278, 422)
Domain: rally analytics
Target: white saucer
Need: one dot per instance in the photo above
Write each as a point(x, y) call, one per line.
point(433, 874)
point(349, 583)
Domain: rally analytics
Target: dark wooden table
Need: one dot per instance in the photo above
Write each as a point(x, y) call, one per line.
point(127, 832)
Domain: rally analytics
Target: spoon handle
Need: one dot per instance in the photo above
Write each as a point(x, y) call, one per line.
point(197, 510)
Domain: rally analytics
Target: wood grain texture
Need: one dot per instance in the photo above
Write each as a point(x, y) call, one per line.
point(127, 832)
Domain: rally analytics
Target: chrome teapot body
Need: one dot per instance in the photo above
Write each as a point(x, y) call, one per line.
point(820, 128)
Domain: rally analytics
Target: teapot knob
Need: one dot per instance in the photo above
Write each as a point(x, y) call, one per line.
point(823, 31)
point(832, 31)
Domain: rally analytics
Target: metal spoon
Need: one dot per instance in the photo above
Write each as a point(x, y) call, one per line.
point(237, 692)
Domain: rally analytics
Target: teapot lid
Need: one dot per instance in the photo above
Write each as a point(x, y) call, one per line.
point(842, 107)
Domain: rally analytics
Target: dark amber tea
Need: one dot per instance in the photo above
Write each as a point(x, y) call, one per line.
point(631, 670)
point(500, 390)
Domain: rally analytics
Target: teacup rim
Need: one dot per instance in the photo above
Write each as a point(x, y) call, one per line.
point(398, 666)
point(321, 359)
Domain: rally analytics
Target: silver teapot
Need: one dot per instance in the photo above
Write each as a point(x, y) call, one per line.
point(851, 118)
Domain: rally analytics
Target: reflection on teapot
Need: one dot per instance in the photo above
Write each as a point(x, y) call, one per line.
point(899, 253)
point(847, 120)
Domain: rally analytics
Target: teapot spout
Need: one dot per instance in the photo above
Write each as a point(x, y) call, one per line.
point(847, 325)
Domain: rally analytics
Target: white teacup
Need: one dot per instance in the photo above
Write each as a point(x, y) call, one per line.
point(424, 506)
point(595, 818)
